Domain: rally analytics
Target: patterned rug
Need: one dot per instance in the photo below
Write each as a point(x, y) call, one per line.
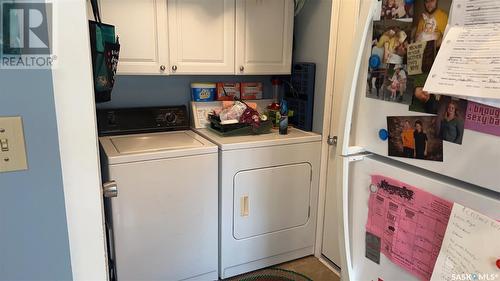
point(272, 274)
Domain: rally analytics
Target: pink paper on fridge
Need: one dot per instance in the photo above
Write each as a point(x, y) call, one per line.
point(483, 118)
point(410, 223)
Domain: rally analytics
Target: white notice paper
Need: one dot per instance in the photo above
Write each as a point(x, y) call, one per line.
point(474, 12)
point(468, 63)
point(470, 249)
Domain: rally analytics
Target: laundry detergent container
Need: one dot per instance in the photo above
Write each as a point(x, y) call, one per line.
point(203, 91)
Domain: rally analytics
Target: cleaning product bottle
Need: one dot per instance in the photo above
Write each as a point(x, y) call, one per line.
point(283, 130)
point(274, 108)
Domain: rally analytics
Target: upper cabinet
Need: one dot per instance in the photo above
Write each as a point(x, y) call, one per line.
point(201, 35)
point(264, 36)
point(142, 29)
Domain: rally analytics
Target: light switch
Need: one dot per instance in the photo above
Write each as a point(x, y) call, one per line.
point(12, 146)
point(4, 145)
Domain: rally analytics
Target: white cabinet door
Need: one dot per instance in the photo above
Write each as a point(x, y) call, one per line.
point(142, 28)
point(201, 35)
point(264, 35)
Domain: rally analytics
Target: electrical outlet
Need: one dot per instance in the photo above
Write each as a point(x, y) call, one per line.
point(12, 146)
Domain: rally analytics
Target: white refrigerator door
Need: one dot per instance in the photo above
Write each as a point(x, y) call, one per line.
point(476, 161)
point(358, 192)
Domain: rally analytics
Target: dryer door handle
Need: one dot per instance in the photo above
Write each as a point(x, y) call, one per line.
point(244, 206)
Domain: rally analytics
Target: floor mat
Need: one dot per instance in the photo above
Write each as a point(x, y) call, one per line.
point(272, 274)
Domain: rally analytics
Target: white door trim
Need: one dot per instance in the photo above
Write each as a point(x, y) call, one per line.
point(344, 12)
point(327, 113)
point(76, 123)
point(338, 107)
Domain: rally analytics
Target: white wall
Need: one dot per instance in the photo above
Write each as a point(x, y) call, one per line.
point(75, 109)
point(311, 42)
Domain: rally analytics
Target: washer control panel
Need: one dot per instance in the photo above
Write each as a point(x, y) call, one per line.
point(142, 120)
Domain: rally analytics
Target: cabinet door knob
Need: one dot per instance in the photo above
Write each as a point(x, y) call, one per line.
point(242, 68)
point(174, 67)
point(162, 68)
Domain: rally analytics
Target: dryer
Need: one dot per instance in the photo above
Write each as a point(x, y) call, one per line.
point(268, 189)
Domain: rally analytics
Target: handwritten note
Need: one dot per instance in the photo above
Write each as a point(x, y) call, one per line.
point(471, 247)
point(415, 56)
point(409, 222)
point(468, 63)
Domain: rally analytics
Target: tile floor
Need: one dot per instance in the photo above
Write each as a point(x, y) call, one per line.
point(310, 267)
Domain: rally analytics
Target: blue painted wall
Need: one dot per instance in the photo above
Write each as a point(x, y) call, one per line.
point(312, 24)
point(33, 232)
point(140, 91)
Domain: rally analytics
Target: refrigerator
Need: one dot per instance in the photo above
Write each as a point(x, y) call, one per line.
point(469, 173)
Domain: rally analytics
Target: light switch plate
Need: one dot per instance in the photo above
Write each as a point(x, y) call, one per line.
point(12, 157)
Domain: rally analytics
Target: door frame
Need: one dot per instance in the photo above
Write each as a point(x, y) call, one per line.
point(78, 143)
point(347, 13)
point(337, 117)
point(327, 118)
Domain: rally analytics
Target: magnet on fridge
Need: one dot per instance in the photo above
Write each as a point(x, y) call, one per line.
point(383, 134)
point(373, 188)
point(374, 61)
point(498, 263)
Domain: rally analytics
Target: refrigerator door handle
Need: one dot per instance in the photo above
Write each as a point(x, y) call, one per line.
point(348, 106)
point(343, 210)
point(348, 272)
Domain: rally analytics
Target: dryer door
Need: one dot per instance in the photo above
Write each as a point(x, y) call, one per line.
point(271, 199)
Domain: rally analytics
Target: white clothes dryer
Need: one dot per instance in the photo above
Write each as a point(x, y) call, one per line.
point(268, 189)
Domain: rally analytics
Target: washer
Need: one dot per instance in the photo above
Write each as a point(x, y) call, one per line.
point(163, 222)
point(268, 189)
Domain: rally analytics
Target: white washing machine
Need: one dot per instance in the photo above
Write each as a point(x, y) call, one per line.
point(161, 198)
point(268, 189)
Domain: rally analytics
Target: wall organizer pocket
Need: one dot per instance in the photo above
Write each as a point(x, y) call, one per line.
point(105, 50)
